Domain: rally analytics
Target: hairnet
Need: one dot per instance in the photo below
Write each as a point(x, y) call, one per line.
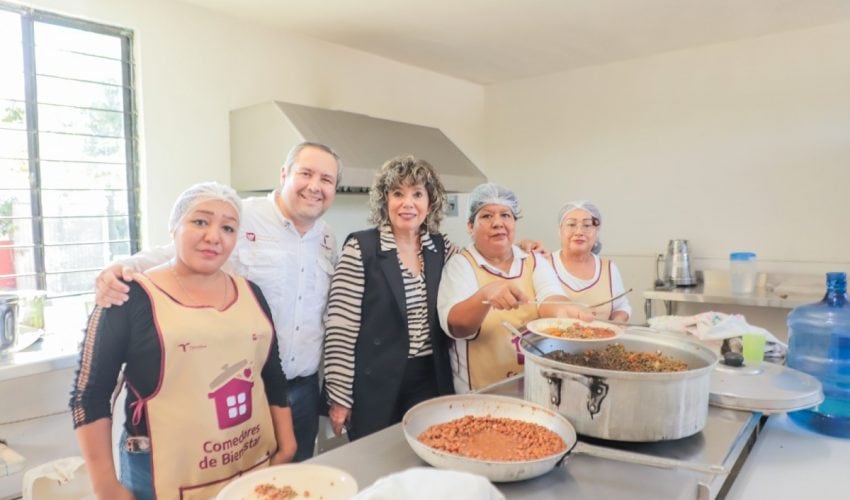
point(199, 193)
point(489, 193)
point(588, 207)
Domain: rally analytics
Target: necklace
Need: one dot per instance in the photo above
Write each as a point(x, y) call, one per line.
point(196, 302)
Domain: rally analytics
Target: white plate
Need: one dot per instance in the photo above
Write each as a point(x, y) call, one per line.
point(539, 326)
point(327, 483)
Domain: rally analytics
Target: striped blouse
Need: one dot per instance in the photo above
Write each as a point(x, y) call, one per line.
point(342, 325)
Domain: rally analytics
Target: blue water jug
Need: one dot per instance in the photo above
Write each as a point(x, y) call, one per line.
point(819, 344)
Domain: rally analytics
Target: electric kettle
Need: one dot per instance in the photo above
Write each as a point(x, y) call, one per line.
point(677, 264)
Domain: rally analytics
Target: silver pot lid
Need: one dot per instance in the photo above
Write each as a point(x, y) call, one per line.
point(769, 388)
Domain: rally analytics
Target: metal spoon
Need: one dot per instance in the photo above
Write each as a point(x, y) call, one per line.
point(516, 333)
point(612, 299)
point(574, 303)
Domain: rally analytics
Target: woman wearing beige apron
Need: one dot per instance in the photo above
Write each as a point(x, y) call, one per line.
point(585, 276)
point(492, 281)
point(206, 398)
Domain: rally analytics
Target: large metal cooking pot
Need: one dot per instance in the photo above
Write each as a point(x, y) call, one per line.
point(446, 408)
point(619, 405)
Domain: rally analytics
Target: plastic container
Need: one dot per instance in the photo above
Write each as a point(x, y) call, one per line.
point(743, 272)
point(819, 344)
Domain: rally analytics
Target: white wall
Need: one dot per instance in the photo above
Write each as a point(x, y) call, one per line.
point(194, 66)
point(735, 146)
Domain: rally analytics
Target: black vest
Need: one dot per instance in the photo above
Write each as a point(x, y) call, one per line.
point(384, 340)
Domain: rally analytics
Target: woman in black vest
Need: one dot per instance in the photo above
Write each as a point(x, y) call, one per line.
point(384, 348)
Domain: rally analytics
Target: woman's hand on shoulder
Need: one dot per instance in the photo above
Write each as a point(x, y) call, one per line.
point(534, 246)
point(110, 290)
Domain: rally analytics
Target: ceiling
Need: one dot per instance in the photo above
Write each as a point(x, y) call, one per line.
point(492, 41)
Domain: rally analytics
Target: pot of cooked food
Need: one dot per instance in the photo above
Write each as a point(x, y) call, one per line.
point(644, 386)
point(506, 439)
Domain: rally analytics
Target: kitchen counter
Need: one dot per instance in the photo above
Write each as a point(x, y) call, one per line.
point(583, 476)
point(761, 297)
point(52, 352)
point(789, 461)
point(783, 291)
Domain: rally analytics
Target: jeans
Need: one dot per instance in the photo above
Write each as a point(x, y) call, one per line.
point(304, 400)
point(135, 471)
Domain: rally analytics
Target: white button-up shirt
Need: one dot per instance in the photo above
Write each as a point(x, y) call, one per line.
point(294, 272)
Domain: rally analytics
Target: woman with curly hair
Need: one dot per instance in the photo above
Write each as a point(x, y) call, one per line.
point(384, 348)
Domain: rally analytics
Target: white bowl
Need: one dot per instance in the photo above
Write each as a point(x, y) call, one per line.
point(327, 483)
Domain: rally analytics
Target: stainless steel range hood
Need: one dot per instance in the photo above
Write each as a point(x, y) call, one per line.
point(261, 135)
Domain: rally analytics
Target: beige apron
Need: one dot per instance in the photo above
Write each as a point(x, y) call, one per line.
point(208, 419)
point(494, 354)
point(599, 291)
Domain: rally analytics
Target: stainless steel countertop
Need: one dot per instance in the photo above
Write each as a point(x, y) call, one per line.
point(726, 440)
point(761, 297)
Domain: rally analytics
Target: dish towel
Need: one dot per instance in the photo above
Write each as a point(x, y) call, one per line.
point(425, 483)
point(714, 327)
point(65, 478)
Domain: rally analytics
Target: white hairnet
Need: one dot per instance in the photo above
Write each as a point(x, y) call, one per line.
point(588, 207)
point(489, 193)
point(199, 193)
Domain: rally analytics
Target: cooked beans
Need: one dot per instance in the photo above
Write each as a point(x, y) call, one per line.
point(616, 357)
point(494, 439)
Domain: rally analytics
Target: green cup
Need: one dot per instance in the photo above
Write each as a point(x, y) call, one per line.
point(754, 343)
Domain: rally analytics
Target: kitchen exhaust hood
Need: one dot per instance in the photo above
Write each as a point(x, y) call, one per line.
point(261, 136)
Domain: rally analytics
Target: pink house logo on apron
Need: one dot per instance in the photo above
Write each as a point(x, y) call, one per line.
point(231, 393)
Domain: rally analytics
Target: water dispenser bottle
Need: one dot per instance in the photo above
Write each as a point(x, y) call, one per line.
point(819, 344)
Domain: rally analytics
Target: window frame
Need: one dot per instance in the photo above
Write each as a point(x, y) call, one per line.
point(29, 17)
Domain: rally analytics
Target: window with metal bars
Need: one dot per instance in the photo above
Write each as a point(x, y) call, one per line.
point(68, 165)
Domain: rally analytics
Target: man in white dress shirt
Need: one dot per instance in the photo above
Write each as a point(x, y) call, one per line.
point(290, 252)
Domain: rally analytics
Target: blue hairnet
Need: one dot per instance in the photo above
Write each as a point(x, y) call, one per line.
point(199, 193)
point(588, 207)
point(489, 193)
